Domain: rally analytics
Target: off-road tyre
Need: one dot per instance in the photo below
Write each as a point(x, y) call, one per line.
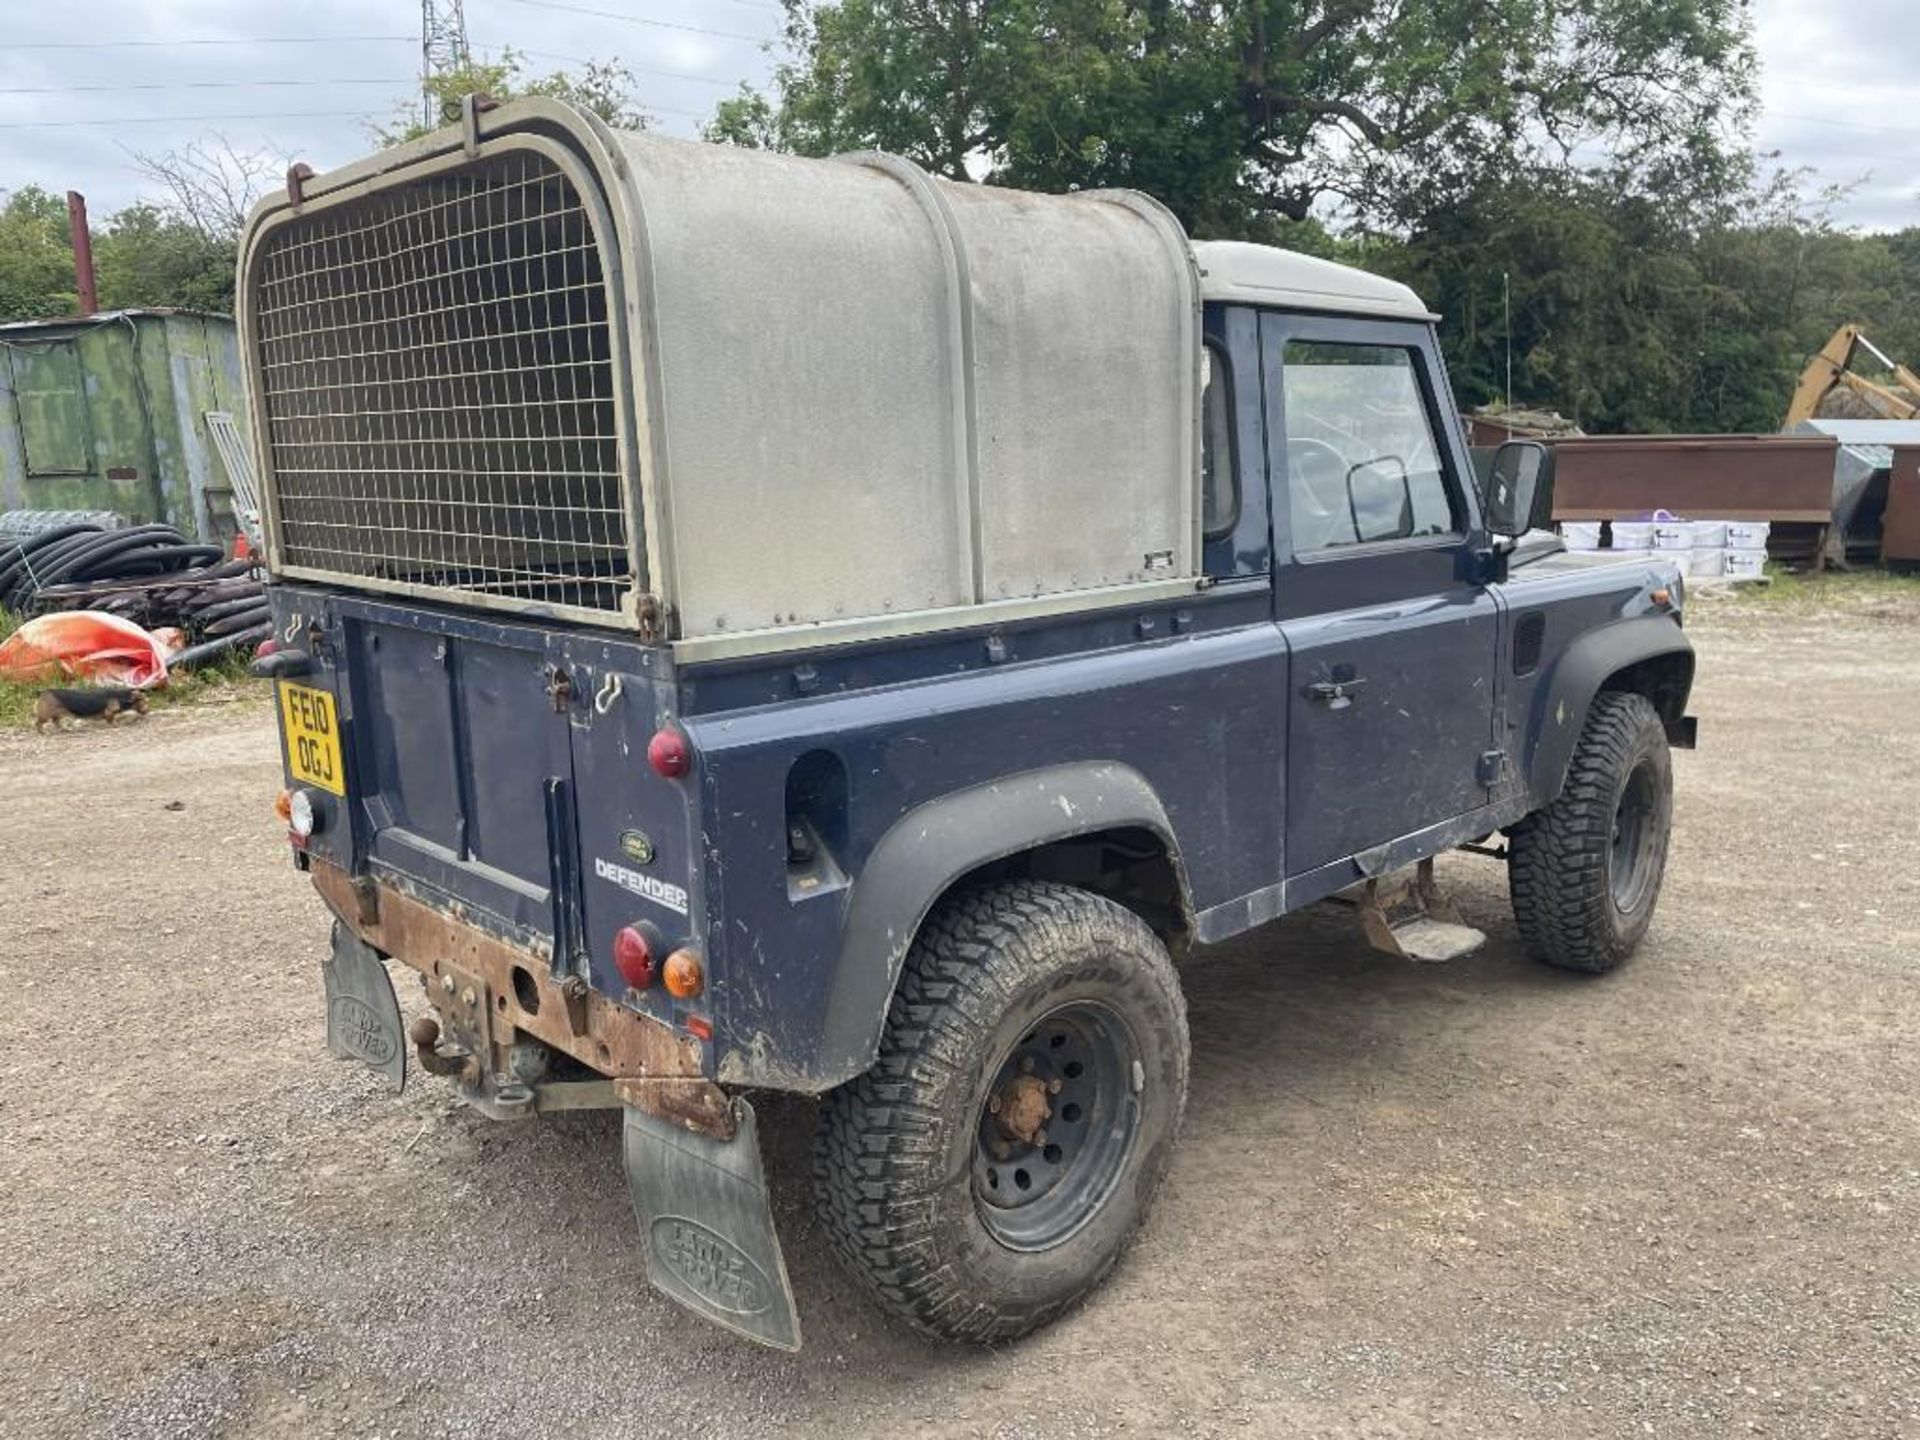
point(1564, 863)
point(895, 1163)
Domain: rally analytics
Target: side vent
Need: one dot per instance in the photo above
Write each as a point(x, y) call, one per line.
point(816, 824)
point(1529, 636)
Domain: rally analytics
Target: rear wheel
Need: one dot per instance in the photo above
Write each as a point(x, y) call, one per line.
point(991, 1167)
point(1585, 871)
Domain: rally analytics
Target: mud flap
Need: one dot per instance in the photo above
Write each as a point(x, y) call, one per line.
point(704, 1217)
point(363, 1017)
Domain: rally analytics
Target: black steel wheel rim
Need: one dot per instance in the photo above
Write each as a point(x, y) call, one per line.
point(1630, 863)
point(1056, 1126)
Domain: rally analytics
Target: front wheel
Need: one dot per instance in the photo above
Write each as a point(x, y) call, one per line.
point(1585, 871)
point(989, 1169)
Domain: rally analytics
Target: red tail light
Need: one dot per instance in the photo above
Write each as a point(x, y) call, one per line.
point(669, 753)
point(633, 957)
point(266, 647)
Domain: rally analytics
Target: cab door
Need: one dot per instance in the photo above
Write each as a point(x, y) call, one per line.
point(1391, 696)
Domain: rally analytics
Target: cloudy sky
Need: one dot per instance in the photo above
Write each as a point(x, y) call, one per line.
point(72, 105)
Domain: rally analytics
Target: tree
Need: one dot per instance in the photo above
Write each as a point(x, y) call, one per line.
point(1239, 111)
point(36, 256)
point(1639, 308)
point(151, 256)
point(211, 184)
point(747, 119)
point(605, 87)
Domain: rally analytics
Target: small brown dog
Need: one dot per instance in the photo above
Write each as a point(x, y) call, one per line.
point(106, 702)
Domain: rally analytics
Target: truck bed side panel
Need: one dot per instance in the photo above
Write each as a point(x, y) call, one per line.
point(1201, 719)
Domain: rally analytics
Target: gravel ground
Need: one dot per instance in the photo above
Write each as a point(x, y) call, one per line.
point(1481, 1199)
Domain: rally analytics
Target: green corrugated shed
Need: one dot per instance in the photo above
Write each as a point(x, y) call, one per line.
point(108, 412)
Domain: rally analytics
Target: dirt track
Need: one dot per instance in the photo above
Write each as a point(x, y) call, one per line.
point(1475, 1200)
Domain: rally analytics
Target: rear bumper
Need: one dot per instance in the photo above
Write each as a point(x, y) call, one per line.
point(489, 992)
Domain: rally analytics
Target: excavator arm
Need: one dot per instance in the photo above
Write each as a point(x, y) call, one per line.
point(1890, 404)
point(1828, 371)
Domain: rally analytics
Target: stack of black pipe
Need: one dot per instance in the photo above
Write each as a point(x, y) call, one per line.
point(149, 574)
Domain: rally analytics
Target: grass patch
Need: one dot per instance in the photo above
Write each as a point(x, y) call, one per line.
point(223, 679)
point(1833, 588)
point(16, 701)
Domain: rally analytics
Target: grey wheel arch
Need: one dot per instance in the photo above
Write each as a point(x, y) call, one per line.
point(1648, 654)
point(933, 847)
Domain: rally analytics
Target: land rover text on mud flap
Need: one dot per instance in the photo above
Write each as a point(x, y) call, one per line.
point(747, 622)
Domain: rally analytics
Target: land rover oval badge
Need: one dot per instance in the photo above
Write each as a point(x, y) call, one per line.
point(636, 847)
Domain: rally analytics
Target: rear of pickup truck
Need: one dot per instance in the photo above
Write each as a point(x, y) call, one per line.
point(436, 764)
point(439, 759)
point(485, 778)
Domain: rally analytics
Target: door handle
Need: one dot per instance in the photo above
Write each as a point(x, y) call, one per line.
point(1335, 694)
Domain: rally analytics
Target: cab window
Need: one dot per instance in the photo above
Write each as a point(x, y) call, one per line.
point(1363, 459)
point(1219, 472)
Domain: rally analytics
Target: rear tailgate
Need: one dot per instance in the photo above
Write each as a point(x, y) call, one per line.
point(479, 756)
point(462, 763)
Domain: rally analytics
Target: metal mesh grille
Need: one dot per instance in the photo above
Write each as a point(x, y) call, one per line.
point(436, 371)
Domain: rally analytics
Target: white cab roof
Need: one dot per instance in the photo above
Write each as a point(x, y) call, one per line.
point(1263, 275)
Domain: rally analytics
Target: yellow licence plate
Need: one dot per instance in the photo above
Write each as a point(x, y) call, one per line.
point(312, 729)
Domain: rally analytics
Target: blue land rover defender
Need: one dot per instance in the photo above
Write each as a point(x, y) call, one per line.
point(754, 623)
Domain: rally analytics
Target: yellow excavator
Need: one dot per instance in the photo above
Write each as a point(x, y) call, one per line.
point(1829, 389)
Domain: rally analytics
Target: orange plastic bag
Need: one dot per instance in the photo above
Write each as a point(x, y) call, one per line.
point(86, 644)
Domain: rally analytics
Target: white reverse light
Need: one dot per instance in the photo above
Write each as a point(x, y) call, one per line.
point(302, 818)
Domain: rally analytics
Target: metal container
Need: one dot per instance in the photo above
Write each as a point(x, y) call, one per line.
point(1900, 527)
point(1702, 477)
point(1786, 480)
point(108, 412)
point(1866, 450)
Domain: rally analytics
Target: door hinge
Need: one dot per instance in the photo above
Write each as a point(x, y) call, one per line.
point(1493, 764)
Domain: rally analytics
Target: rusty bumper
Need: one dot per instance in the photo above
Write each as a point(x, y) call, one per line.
point(489, 993)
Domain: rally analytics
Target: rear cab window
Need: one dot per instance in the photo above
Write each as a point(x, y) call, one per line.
point(1219, 468)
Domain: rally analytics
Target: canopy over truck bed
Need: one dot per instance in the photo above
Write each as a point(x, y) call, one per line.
point(746, 401)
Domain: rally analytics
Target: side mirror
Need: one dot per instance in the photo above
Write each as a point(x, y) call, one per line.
point(1380, 499)
point(1516, 483)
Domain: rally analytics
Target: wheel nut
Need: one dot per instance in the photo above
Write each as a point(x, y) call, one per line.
point(1053, 1086)
point(467, 996)
point(446, 983)
point(1026, 1064)
point(993, 1104)
point(1039, 1137)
